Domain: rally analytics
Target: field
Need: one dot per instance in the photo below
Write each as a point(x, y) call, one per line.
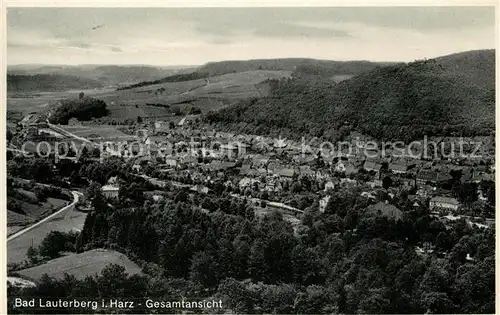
point(81, 265)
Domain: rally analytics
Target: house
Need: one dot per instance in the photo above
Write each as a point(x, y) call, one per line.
point(171, 162)
point(398, 168)
point(443, 203)
point(385, 209)
point(161, 125)
point(245, 182)
point(426, 176)
point(200, 189)
point(136, 167)
point(245, 169)
point(329, 185)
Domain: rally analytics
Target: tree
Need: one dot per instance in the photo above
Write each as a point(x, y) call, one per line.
point(139, 119)
point(296, 187)
point(81, 95)
point(32, 255)
point(52, 244)
point(386, 182)
point(203, 269)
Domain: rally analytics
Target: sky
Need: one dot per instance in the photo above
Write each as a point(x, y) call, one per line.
point(194, 36)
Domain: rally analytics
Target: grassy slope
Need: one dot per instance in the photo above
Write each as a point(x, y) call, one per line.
point(81, 265)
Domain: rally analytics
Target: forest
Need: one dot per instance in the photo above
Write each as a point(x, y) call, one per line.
point(344, 260)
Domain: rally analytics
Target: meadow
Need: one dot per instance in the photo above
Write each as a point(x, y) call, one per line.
point(81, 265)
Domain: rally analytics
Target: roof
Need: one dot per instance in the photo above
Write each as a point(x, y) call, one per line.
point(372, 165)
point(386, 210)
point(287, 172)
point(110, 188)
point(427, 175)
point(448, 200)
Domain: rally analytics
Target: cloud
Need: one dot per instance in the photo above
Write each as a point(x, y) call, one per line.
point(295, 30)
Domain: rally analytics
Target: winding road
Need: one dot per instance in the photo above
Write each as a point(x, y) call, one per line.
point(64, 220)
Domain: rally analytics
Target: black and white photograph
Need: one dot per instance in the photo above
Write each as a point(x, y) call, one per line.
point(250, 160)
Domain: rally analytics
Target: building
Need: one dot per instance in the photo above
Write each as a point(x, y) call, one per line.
point(372, 166)
point(443, 203)
point(110, 191)
point(200, 189)
point(329, 185)
point(287, 173)
point(397, 168)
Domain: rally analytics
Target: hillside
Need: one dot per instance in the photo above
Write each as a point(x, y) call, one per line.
point(81, 265)
point(48, 83)
point(398, 102)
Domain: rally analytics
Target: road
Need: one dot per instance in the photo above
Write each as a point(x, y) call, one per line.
point(67, 133)
point(64, 220)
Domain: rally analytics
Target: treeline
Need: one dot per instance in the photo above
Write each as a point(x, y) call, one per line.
point(174, 78)
point(82, 109)
point(341, 261)
point(399, 102)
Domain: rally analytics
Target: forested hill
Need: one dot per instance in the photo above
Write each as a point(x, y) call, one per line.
point(404, 102)
point(48, 83)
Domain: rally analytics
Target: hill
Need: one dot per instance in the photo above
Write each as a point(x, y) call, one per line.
point(397, 102)
point(105, 74)
point(48, 83)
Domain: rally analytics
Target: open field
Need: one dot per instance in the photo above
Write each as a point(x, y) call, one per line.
point(90, 132)
point(35, 102)
point(81, 265)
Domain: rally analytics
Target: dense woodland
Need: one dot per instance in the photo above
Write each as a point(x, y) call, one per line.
point(397, 102)
point(344, 260)
point(174, 78)
point(84, 108)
